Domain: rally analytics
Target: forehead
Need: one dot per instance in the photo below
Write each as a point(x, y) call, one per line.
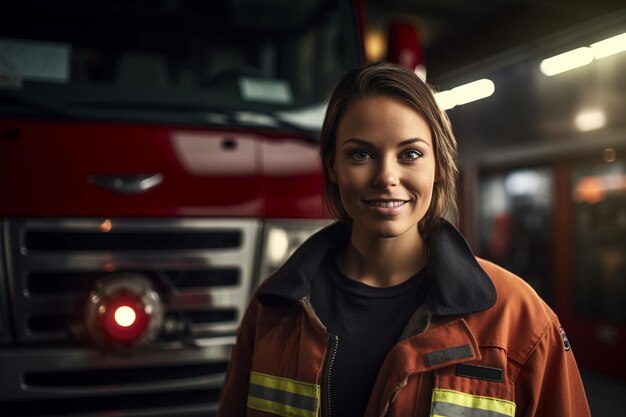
point(382, 118)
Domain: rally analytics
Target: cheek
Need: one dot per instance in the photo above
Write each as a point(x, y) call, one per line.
point(428, 194)
point(351, 180)
point(351, 187)
point(424, 186)
point(347, 188)
point(429, 177)
point(424, 180)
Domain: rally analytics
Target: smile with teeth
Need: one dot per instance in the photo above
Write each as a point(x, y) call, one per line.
point(386, 204)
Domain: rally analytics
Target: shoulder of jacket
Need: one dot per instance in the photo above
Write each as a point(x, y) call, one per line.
point(519, 319)
point(273, 311)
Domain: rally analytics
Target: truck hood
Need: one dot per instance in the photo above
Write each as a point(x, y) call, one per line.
point(60, 168)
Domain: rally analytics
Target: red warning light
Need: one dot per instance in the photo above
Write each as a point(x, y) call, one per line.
point(125, 316)
point(125, 319)
point(123, 313)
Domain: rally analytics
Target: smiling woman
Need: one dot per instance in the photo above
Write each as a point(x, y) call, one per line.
point(383, 167)
point(387, 312)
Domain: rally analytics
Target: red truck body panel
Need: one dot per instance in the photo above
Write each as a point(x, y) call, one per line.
point(45, 169)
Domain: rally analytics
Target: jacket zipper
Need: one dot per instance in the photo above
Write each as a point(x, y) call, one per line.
point(333, 342)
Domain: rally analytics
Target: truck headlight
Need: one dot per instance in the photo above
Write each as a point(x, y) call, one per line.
point(281, 238)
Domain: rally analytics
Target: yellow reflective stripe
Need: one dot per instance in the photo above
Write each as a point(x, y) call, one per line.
point(285, 384)
point(278, 408)
point(462, 399)
point(283, 396)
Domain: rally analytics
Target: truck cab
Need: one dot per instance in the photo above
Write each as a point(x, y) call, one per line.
point(157, 160)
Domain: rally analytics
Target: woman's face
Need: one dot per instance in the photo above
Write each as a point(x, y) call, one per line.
point(384, 166)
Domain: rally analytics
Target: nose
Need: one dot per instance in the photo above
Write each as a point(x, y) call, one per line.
point(386, 175)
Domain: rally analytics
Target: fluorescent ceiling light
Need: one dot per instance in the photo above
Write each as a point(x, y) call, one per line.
point(473, 91)
point(566, 61)
point(445, 100)
point(609, 46)
point(465, 93)
point(590, 120)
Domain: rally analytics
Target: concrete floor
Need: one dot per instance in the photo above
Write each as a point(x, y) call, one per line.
point(606, 395)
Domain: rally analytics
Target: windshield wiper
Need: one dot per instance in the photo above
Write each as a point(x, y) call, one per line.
point(217, 115)
point(271, 119)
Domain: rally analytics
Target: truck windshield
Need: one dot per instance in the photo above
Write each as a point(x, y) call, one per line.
point(174, 60)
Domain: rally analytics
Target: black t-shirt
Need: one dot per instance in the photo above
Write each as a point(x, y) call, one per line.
point(368, 322)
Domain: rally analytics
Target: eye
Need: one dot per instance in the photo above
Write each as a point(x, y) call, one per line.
point(410, 155)
point(359, 155)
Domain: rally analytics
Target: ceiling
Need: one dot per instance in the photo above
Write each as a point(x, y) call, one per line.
point(504, 41)
point(456, 33)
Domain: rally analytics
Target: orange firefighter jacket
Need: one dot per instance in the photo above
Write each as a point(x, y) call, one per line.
point(482, 345)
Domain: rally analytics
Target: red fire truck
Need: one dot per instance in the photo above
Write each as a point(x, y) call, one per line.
point(156, 159)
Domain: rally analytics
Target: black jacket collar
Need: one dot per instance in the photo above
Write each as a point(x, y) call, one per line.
point(458, 284)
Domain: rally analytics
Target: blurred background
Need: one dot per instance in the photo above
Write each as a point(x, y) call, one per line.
point(163, 153)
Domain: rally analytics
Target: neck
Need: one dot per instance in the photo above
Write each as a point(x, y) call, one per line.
point(383, 262)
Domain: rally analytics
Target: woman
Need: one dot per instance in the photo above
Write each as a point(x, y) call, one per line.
point(387, 312)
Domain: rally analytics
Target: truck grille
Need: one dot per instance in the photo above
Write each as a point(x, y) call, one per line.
point(129, 241)
point(121, 376)
point(175, 403)
point(52, 265)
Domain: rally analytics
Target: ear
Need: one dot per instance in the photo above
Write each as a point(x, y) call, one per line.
point(330, 167)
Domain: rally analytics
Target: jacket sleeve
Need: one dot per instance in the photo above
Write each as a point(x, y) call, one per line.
point(235, 391)
point(549, 383)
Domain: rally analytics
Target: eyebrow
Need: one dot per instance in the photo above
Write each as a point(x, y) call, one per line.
point(363, 142)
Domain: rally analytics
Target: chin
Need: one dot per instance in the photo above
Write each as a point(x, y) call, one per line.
point(389, 231)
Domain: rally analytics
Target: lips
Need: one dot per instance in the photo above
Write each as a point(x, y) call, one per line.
point(386, 203)
point(387, 208)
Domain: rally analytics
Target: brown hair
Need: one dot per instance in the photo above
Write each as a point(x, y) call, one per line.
point(384, 79)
